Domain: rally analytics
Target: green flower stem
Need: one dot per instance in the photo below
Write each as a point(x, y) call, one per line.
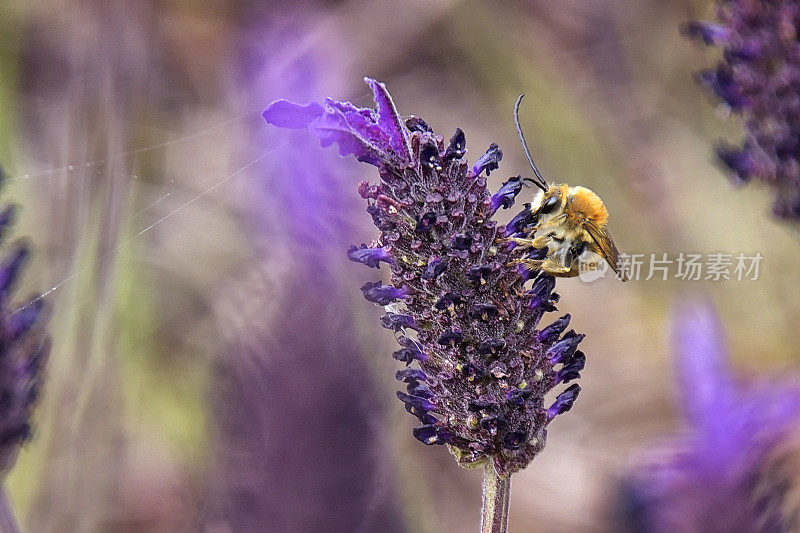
point(496, 495)
point(8, 523)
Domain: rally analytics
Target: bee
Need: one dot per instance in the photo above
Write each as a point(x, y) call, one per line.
point(570, 222)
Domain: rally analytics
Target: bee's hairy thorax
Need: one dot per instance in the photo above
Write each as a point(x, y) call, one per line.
point(583, 205)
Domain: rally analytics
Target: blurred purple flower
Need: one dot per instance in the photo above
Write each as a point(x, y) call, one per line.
point(721, 475)
point(23, 351)
point(297, 411)
point(484, 368)
point(759, 79)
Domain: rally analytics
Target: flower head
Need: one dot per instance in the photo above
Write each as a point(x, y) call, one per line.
point(460, 311)
point(759, 79)
point(732, 470)
point(23, 351)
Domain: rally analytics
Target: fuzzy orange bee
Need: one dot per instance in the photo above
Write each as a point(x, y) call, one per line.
point(570, 221)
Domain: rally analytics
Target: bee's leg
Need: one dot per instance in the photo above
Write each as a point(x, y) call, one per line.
point(523, 243)
point(533, 264)
point(538, 242)
point(552, 266)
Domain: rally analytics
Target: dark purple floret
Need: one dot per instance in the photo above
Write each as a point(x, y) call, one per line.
point(492, 424)
point(488, 162)
point(564, 401)
point(436, 266)
point(465, 316)
point(479, 273)
point(521, 221)
point(411, 374)
point(425, 222)
point(369, 256)
point(457, 147)
point(484, 311)
point(422, 416)
point(375, 291)
point(551, 333)
point(429, 157)
point(417, 124)
point(409, 355)
point(758, 78)
point(721, 82)
point(449, 301)
point(461, 241)
point(561, 351)
point(491, 346)
point(514, 440)
point(746, 162)
point(518, 396)
point(540, 293)
point(451, 337)
point(417, 402)
point(472, 371)
point(397, 322)
point(572, 368)
point(480, 405)
point(427, 434)
point(415, 388)
point(505, 196)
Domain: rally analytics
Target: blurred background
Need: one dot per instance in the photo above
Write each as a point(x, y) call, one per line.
point(214, 366)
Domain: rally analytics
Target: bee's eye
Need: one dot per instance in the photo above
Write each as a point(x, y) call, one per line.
point(549, 205)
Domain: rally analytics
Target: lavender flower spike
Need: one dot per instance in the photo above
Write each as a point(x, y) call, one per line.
point(468, 321)
point(23, 352)
point(759, 79)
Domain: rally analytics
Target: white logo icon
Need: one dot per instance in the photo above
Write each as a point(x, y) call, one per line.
point(592, 269)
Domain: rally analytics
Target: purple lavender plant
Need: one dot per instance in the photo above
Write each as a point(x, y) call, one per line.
point(23, 351)
point(459, 311)
point(728, 472)
point(759, 79)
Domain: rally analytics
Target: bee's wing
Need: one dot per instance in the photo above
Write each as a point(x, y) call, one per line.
point(606, 247)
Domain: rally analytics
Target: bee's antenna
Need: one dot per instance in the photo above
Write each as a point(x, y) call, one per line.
point(540, 182)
